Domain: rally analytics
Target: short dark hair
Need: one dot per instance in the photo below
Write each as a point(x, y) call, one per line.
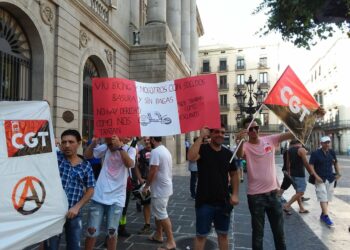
point(72, 132)
point(248, 120)
point(221, 126)
point(157, 138)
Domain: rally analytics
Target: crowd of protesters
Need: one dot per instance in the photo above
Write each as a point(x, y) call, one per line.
point(110, 169)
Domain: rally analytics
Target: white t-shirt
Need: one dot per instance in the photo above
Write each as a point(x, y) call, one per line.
point(162, 185)
point(111, 184)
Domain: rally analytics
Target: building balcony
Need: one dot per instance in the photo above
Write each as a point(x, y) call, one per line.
point(100, 7)
point(205, 70)
point(333, 125)
point(240, 86)
point(224, 107)
point(264, 85)
point(239, 67)
point(224, 87)
point(262, 65)
point(223, 68)
point(264, 129)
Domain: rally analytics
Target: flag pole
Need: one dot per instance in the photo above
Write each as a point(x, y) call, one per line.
point(241, 141)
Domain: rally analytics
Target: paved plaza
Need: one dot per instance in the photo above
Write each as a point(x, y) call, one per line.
point(302, 231)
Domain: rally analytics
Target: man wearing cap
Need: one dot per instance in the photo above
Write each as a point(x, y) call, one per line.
point(322, 161)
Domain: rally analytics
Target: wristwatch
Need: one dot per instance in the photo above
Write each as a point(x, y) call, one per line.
point(120, 148)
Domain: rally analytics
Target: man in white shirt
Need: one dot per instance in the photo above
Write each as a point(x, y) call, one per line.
point(159, 180)
point(109, 197)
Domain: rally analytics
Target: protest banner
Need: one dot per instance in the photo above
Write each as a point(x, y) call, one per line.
point(33, 203)
point(293, 104)
point(128, 108)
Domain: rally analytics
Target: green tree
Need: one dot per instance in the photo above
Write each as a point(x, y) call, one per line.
point(302, 21)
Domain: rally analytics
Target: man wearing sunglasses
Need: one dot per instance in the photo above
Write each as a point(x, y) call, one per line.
point(213, 202)
point(263, 185)
point(322, 161)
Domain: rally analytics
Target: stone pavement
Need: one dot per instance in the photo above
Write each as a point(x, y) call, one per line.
point(302, 231)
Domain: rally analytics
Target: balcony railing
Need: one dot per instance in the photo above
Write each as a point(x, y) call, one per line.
point(225, 107)
point(100, 7)
point(333, 125)
point(241, 86)
point(224, 87)
point(205, 70)
point(240, 67)
point(222, 68)
point(270, 128)
point(262, 65)
point(264, 85)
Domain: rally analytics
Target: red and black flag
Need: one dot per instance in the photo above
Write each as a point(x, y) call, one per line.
point(293, 104)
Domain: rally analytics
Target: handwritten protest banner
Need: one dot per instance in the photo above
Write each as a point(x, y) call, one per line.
point(128, 108)
point(33, 203)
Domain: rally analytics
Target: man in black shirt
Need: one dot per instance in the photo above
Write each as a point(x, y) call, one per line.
point(296, 163)
point(213, 202)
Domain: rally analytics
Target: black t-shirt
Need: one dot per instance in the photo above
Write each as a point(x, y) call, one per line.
point(145, 155)
point(297, 168)
point(213, 169)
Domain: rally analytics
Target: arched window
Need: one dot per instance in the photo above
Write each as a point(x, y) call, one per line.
point(15, 60)
point(90, 71)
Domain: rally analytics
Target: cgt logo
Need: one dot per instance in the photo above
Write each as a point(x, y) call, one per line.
point(27, 137)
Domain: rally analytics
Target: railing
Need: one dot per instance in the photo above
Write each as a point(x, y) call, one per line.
point(222, 68)
point(270, 128)
point(100, 7)
point(264, 85)
point(225, 107)
point(240, 67)
point(333, 125)
point(224, 87)
point(205, 69)
point(240, 86)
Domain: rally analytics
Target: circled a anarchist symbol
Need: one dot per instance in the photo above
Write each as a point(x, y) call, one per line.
point(20, 195)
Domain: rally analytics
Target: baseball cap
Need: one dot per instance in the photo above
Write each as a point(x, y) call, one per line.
point(325, 138)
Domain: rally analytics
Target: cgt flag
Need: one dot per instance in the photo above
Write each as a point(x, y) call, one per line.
point(128, 108)
point(293, 104)
point(33, 203)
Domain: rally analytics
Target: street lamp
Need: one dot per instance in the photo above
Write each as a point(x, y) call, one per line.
point(249, 108)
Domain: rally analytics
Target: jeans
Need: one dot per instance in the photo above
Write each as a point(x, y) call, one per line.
point(95, 218)
point(73, 231)
point(193, 183)
point(207, 214)
point(270, 204)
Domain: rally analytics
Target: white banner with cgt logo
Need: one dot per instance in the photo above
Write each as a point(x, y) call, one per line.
point(33, 203)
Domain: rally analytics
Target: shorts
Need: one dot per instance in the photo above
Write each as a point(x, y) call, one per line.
point(300, 184)
point(207, 214)
point(239, 163)
point(158, 208)
point(96, 212)
point(324, 191)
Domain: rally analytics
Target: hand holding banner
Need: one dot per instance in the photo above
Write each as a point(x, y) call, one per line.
point(127, 108)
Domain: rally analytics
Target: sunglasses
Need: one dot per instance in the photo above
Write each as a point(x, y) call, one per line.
point(256, 128)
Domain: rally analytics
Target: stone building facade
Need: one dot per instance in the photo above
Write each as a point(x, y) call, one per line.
point(50, 49)
point(233, 66)
point(328, 82)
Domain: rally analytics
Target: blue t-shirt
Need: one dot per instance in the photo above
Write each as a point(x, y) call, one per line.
point(323, 163)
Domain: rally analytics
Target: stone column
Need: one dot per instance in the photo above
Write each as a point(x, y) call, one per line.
point(185, 29)
point(194, 37)
point(173, 13)
point(156, 12)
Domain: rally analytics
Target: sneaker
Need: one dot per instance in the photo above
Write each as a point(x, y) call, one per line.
point(122, 231)
point(242, 180)
point(325, 218)
point(145, 230)
point(304, 199)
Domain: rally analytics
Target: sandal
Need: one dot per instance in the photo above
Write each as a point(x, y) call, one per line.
point(153, 239)
point(165, 248)
point(304, 212)
point(287, 211)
